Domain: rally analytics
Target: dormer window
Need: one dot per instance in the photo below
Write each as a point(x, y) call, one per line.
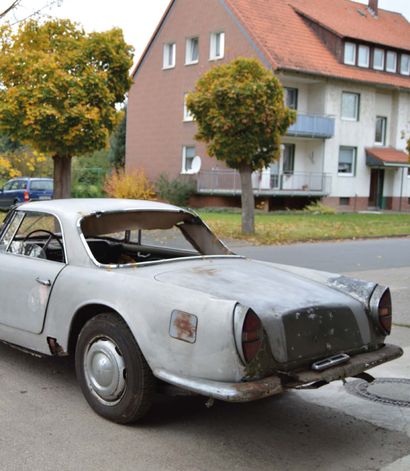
point(350, 54)
point(364, 56)
point(391, 61)
point(378, 59)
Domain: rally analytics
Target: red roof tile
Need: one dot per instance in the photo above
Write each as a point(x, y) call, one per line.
point(288, 43)
point(352, 19)
point(388, 155)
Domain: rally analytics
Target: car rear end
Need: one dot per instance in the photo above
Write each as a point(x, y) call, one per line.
point(39, 189)
point(313, 346)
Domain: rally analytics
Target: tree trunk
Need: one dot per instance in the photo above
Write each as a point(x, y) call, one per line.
point(248, 200)
point(62, 177)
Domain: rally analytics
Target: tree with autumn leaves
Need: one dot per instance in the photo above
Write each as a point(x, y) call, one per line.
point(60, 87)
point(241, 116)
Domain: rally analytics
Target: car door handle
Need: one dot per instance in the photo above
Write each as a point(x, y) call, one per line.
point(43, 282)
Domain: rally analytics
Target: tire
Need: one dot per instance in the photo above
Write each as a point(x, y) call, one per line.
point(113, 374)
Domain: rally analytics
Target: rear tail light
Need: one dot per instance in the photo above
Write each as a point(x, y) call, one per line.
point(26, 196)
point(385, 312)
point(381, 309)
point(252, 335)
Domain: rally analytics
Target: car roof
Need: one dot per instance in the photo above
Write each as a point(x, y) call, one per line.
point(29, 178)
point(87, 206)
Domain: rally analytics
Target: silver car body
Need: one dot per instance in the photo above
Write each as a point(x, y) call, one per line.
point(306, 315)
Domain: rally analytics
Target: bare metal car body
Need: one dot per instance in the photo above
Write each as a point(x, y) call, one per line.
point(63, 262)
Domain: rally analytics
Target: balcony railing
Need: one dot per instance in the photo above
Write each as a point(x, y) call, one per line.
point(308, 125)
point(229, 182)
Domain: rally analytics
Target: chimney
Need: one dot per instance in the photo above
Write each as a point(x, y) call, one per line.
point(374, 6)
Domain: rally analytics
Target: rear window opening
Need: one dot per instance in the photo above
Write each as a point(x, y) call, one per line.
point(132, 237)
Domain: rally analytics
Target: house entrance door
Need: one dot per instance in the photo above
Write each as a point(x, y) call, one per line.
point(376, 188)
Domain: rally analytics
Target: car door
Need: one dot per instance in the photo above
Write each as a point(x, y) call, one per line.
point(9, 195)
point(30, 262)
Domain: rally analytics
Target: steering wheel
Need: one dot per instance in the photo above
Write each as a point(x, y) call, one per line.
point(51, 236)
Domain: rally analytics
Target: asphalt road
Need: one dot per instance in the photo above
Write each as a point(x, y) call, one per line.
point(47, 425)
point(339, 257)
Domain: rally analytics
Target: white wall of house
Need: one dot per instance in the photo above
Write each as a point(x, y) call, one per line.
point(324, 97)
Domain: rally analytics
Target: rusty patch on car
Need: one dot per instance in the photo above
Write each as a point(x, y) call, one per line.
point(205, 271)
point(183, 326)
point(55, 347)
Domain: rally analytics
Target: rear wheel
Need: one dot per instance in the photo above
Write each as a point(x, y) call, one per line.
point(113, 374)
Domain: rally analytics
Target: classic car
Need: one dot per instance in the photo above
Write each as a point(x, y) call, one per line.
point(148, 299)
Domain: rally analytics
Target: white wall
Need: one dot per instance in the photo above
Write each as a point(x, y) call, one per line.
point(315, 155)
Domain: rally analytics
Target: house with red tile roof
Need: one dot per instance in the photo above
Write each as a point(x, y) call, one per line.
point(345, 67)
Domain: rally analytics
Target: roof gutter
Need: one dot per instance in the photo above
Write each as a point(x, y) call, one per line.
point(342, 79)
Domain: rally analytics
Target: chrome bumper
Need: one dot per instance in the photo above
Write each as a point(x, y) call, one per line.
point(258, 389)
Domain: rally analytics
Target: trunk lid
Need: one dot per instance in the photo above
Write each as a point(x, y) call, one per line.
point(304, 319)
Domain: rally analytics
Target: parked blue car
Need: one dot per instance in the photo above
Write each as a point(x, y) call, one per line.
point(23, 189)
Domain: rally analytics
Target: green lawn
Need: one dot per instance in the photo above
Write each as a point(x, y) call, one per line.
point(290, 227)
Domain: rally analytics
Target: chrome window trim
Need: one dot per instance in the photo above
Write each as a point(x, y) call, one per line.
point(25, 211)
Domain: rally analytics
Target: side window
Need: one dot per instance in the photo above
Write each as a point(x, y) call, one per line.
point(38, 235)
point(8, 234)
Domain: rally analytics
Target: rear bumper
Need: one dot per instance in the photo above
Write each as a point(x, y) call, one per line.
point(356, 365)
point(254, 390)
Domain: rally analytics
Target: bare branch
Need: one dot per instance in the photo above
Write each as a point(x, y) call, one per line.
point(18, 5)
point(11, 7)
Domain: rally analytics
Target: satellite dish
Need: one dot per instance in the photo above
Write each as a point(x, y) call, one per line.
point(196, 164)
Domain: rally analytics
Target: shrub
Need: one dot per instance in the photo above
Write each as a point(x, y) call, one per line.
point(177, 191)
point(319, 208)
point(81, 190)
point(88, 182)
point(133, 184)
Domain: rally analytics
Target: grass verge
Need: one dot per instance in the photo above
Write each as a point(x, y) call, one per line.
point(290, 227)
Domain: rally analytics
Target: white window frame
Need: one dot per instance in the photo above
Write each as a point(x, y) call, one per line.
point(366, 62)
point(378, 67)
point(354, 158)
point(384, 131)
point(357, 110)
point(166, 64)
point(404, 71)
point(187, 115)
point(391, 54)
point(188, 50)
point(213, 56)
point(184, 170)
point(345, 59)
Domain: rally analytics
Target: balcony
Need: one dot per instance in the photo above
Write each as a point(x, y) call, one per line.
point(228, 182)
point(307, 125)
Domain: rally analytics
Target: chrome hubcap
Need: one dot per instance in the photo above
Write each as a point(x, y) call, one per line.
point(104, 369)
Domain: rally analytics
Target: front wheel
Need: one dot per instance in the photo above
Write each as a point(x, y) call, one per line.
point(113, 374)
